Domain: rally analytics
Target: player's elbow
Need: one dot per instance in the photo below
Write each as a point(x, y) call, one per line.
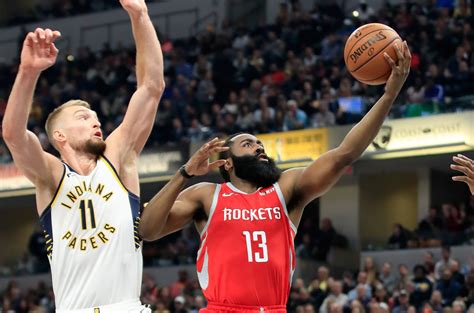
point(345, 156)
point(155, 87)
point(9, 133)
point(147, 234)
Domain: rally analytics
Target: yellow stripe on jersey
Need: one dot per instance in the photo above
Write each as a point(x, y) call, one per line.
point(58, 191)
point(114, 173)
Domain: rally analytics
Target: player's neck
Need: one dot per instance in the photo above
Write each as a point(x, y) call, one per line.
point(83, 163)
point(243, 185)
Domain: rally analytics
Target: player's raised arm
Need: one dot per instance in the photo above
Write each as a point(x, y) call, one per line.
point(170, 210)
point(38, 54)
point(466, 166)
point(131, 135)
point(318, 177)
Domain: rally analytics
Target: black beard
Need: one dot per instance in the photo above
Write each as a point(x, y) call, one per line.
point(95, 147)
point(251, 169)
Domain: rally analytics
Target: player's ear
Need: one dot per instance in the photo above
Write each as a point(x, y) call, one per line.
point(59, 136)
point(228, 164)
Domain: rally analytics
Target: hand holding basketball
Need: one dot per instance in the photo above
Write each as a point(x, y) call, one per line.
point(365, 49)
point(400, 69)
point(199, 163)
point(39, 51)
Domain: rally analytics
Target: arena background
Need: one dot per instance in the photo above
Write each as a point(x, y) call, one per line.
point(226, 62)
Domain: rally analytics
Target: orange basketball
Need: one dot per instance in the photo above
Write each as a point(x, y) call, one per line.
point(364, 50)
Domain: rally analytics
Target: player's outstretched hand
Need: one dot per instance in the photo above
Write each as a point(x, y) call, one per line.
point(134, 6)
point(39, 52)
point(400, 69)
point(466, 166)
point(199, 163)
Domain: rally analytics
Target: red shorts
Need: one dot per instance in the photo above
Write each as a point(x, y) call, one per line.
point(213, 307)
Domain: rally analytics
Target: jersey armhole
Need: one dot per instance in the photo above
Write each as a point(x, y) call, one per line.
point(111, 167)
point(212, 209)
point(56, 193)
point(283, 203)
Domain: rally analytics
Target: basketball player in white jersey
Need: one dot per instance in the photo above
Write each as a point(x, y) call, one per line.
point(466, 166)
point(88, 200)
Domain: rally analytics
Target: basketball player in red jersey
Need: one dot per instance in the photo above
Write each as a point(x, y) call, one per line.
point(247, 224)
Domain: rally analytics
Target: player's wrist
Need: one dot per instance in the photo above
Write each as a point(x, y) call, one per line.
point(184, 172)
point(28, 70)
point(139, 14)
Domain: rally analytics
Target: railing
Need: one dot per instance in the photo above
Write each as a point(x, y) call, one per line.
point(154, 18)
point(179, 22)
point(195, 29)
point(244, 15)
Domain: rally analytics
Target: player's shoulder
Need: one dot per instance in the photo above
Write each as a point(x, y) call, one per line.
point(201, 189)
point(288, 181)
point(290, 175)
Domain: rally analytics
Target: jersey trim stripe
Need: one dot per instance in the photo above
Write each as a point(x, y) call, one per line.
point(135, 207)
point(46, 223)
point(58, 189)
point(116, 175)
point(283, 203)
point(233, 188)
point(213, 207)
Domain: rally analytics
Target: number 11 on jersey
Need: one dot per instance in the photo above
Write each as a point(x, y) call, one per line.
point(260, 238)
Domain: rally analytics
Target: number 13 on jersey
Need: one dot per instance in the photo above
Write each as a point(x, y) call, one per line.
point(260, 238)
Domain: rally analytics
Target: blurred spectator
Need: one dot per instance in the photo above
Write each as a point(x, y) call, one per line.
point(319, 288)
point(430, 227)
point(179, 305)
point(429, 263)
point(371, 269)
point(387, 278)
point(361, 283)
point(347, 282)
point(436, 301)
point(323, 117)
point(178, 286)
point(422, 287)
point(365, 11)
point(404, 278)
point(399, 238)
point(403, 303)
point(445, 262)
point(335, 297)
point(455, 272)
point(264, 116)
point(295, 118)
point(325, 237)
point(448, 287)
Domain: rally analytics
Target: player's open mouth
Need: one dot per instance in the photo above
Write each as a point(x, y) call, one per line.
point(263, 157)
point(98, 134)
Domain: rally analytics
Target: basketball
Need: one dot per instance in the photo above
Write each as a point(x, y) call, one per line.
point(364, 53)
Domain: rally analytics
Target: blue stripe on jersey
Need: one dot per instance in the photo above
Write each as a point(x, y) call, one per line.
point(135, 207)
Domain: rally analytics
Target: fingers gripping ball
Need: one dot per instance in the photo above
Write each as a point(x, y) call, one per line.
point(364, 51)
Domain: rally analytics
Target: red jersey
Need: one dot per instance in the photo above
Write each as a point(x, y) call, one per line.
point(247, 254)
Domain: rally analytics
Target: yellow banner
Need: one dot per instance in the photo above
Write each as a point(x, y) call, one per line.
point(295, 145)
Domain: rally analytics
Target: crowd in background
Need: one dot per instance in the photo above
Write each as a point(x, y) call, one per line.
point(45, 10)
point(449, 224)
point(280, 77)
point(432, 286)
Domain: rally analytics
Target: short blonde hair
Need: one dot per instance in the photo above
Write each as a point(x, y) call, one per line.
point(53, 116)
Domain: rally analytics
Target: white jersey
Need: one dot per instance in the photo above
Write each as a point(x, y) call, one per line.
point(91, 229)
